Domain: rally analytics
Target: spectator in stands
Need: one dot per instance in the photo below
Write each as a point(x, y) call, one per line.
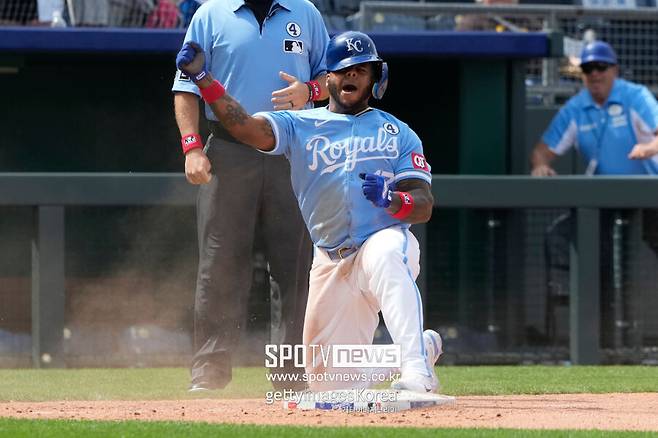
point(88, 13)
point(113, 13)
point(129, 13)
point(165, 15)
point(187, 9)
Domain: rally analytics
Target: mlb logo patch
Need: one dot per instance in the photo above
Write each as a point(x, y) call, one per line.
point(419, 162)
point(293, 46)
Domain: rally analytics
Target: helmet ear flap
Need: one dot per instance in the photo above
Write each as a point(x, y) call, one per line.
point(379, 87)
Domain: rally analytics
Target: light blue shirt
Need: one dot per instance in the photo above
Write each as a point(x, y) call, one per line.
point(247, 61)
point(327, 152)
point(605, 135)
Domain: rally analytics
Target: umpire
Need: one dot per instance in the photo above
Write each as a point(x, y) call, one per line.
point(270, 55)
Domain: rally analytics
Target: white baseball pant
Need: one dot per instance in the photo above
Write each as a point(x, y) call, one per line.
point(345, 297)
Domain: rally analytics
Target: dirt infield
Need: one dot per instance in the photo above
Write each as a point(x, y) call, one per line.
point(553, 411)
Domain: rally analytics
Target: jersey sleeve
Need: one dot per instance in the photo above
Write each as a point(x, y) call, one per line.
point(562, 132)
point(318, 52)
point(282, 123)
point(199, 32)
point(412, 162)
point(646, 108)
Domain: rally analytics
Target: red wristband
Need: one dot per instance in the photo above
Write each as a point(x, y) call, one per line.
point(314, 91)
point(407, 205)
point(213, 92)
point(191, 141)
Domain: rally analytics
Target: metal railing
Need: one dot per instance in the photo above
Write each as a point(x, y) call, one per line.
point(632, 32)
point(50, 194)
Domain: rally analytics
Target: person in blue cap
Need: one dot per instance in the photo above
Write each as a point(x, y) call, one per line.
point(613, 122)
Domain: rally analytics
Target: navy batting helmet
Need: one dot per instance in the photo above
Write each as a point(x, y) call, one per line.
point(598, 51)
point(352, 48)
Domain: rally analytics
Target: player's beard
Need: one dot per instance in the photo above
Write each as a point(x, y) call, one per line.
point(344, 108)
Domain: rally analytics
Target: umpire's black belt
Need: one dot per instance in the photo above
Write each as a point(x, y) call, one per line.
point(218, 131)
point(341, 253)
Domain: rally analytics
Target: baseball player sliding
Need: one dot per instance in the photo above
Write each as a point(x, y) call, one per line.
point(360, 178)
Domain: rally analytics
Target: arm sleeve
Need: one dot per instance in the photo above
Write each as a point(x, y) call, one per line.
point(283, 127)
point(199, 32)
point(412, 162)
point(318, 53)
point(561, 133)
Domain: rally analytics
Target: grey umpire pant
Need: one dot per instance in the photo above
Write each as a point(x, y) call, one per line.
point(248, 190)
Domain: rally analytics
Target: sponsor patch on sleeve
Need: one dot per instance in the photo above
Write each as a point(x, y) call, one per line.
point(419, 162)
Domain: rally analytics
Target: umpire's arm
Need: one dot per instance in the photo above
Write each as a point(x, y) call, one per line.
point(423, 201)
point(197, 165)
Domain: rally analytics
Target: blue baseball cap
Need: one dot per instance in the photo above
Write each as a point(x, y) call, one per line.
point(598, 51)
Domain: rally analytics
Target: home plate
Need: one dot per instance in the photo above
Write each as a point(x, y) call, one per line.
point(365, 400)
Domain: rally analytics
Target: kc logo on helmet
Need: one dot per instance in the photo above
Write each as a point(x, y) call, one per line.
point(418, 161)
point(354, 45)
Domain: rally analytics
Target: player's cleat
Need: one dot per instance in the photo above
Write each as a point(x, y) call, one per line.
point(433, 351)
point(418, 382)
point(201, 387)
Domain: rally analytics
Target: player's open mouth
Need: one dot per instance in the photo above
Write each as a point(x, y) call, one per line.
point(349, 88)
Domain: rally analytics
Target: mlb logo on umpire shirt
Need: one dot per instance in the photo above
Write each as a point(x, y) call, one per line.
point(293, 46)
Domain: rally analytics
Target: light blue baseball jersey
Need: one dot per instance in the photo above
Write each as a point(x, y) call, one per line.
point(247, 59)
point(606, 134)
point(327, 152)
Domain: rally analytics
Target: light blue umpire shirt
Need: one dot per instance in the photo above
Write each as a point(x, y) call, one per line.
point(606, 134)
point(327, 152)
point(247, 59)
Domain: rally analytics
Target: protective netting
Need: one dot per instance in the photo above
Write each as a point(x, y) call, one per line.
point(497, 285)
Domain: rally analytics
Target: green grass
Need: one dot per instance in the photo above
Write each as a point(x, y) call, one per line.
point(64, 429)
point(171, 383)
point(493, 380)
